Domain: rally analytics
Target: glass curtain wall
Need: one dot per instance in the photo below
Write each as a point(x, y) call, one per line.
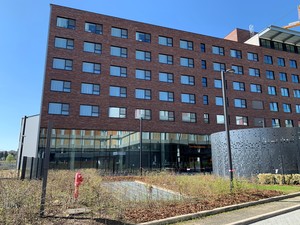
point(119, 151)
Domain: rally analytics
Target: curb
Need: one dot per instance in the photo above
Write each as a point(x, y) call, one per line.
point(205, 213)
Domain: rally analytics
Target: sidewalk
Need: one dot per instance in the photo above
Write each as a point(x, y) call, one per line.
point(245, 213)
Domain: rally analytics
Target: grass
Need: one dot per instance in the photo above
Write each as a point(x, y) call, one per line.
point(20, 200)
point(285, 189)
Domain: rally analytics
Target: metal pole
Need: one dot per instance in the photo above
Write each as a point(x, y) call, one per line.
point(141, 144)
point(45, 168)
point(226, 121)
point(20, 156)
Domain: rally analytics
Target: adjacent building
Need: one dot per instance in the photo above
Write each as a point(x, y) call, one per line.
point(107, 79)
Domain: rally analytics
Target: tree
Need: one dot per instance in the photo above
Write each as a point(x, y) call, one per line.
point(10, 158)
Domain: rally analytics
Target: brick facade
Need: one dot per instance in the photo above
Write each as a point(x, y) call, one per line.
point(104, 101)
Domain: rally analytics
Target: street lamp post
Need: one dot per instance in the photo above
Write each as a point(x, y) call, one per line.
point(141, 143)
point(226, 122)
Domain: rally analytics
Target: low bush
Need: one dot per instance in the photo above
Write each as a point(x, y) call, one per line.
point(281, 179)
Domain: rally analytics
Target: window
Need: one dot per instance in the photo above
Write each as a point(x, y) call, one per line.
point(286, 108)
point(93, 28)
point(241, 120)
point(285, 92)
point(144, 37)
point(206, 118)
point(58, 108)
point(166, 96)
point(282, 76)
point(143, 94)
point(255, 88)
point(204, 82)
point(166, 115)
point(117, 91)
point(236, 53)
point(280, 61)
point(166, 77)
point(270, 75)
point(92, 47)
point(219, 101)
point(265, 43)
point(268, 59)
point(167, 41)
point(293, 63)
point(188, 117)
point(220, 119)
point(217, 50)
point(186, 44)
point(188, 80)
point(188, 98)
point(119, 32)
point(295, 78)
point(143, 74)
point(218, 66)
point(297, 108)
point(252, 56)
point(143, 55)
point(90, 89)
point(297, 93)
point(275, 123)
point(240, 103)
point(202, 47)
point(116, 112)
point(274, 106)
point(205, 99)
point(89, 110)
point(203, 64)
point(217, 83)
point(237, 69)
point(65, 23)
point(144, 113)
point(60, 85)
point(259, 122)
point(118, 71)
point(272, 90)
point(166, 59)
point(238, 86)
point(278, 46)
point(91, 67)
point(254, 72)
point(62, 64)
point(188, 62)
point(257, 104)
point(290, 48)
point(118, 51)
point(289, 123)
point(64, 43)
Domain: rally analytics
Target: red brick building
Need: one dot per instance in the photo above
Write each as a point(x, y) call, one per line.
point(103, 72)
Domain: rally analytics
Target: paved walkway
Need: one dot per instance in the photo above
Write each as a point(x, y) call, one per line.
point(292, 218)
point(252, 214)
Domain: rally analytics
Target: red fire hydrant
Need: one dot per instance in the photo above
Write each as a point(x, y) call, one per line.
point(78, 181)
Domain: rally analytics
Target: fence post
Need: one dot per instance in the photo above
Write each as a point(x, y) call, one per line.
point(45, 168)
point(23, 172)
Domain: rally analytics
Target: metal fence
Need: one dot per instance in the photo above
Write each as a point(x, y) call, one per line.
point(8, 170)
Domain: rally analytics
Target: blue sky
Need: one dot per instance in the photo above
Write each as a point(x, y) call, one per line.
point(24, 31)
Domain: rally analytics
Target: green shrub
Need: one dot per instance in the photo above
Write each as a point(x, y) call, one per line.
point(268, 178)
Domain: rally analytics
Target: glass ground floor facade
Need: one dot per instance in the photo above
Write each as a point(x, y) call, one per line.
point(120, 152)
